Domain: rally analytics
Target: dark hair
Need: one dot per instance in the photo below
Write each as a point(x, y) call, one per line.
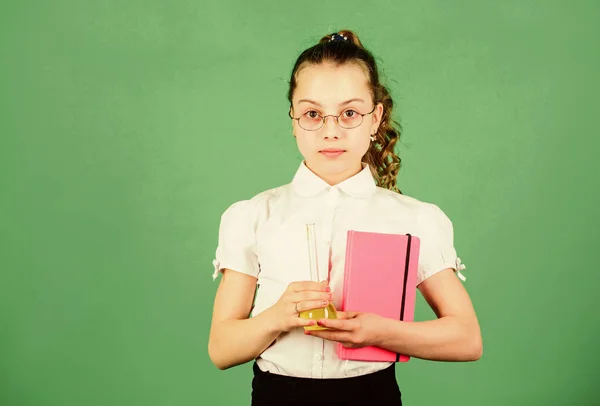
point(345, 47)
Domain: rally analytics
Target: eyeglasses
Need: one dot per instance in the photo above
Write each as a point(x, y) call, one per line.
point(348, 119)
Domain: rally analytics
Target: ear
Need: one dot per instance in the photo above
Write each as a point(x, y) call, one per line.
point(377, 116)
point(291, 114)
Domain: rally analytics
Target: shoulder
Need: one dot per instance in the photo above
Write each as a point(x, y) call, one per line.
point(422, 210)
point(427, 215)
point(255, 206)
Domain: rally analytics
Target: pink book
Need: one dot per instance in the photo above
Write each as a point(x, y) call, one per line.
point(379, 277)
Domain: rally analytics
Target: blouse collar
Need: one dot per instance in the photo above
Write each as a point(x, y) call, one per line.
point(306, 183)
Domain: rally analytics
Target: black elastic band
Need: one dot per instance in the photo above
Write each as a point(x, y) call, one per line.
point(404, 286)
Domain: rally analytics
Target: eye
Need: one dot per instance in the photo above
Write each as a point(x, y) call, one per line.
point(312, 114)
point(349, 114)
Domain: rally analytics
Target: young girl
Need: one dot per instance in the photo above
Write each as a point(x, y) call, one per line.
point(341, 118)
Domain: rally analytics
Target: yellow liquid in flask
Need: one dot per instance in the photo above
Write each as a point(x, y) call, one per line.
point(327, 312)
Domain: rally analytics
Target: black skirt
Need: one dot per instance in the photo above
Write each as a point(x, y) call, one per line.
point(376, 389)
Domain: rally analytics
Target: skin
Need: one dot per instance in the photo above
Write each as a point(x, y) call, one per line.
point(236, 339)
point(329, 89)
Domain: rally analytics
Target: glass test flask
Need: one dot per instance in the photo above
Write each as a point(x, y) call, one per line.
point(329, 311)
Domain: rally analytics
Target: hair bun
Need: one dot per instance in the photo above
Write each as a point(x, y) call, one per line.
point(342, 36)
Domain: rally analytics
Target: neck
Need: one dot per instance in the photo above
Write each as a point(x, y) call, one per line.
point(334, 178)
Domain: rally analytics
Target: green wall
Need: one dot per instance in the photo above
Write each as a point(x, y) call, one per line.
point(127, 128)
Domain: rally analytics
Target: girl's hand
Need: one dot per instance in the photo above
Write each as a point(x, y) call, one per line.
point(299, 297)
point(351, 329)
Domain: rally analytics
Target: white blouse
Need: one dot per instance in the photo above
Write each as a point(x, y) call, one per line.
point(265, 237)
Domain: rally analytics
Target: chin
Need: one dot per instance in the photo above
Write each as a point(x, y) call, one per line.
point(332, 166)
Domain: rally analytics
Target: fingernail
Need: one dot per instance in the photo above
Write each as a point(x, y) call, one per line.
point(327, 289)
point(324, 302)
point(320, 323)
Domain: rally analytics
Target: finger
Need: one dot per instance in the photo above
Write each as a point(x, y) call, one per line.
point(300, 322)
point(311, 305)
point(308, 295)
point(310, 285)
point(338, 324)
point(331, 335)
point(346, 315)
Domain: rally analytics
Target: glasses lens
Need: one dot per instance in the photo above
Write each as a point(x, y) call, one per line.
point(350, 119)
point(310, 121)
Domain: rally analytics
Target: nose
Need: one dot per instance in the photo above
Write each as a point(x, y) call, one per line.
point(330, 128)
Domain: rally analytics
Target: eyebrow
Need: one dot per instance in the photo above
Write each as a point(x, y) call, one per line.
point(341, 104)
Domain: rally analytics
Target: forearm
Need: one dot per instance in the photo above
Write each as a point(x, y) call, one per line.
point(445, 339)
point(235, 342)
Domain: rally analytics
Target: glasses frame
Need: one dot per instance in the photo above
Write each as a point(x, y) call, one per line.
point(336, 118)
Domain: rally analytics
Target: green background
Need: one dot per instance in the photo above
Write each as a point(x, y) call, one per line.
point(128, 127)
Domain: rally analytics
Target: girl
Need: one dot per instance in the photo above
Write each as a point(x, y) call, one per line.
point(342, 120)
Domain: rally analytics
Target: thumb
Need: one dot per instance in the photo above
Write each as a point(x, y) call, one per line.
point(346, 315)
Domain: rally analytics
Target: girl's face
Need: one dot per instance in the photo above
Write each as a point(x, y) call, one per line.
point(332, 152)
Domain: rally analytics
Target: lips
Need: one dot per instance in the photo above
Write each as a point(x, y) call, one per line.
point(332, 152)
